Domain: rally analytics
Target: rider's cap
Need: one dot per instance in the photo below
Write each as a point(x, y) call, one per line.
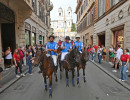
point(52, 36)
point(77, 36)
point(67, 38)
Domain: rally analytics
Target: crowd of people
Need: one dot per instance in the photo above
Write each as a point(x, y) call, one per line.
point(117, 56)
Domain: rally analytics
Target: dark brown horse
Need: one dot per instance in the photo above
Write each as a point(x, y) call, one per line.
point(82, 63)
point(59, 63)
point(70, 63)
point(47, 68)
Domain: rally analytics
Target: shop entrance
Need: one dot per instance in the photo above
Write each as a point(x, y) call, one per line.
point(7, 21)
point(8, 36)
point(101, 40)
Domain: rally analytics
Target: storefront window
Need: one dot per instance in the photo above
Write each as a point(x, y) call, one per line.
point(33, 38)
point(40, 39)
point(118, 38)
point(27, 37)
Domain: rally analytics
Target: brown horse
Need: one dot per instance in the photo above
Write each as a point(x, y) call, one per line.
point(47, 68)
point(70, 63)
point(82, 64)
point(59, 63)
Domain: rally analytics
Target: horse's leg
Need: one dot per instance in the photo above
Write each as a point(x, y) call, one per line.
point(45, 82)
point(78, 75)
point(60, 69)
point(84, 77)
point(50, 85)
point(67, 78)
point(73, 78)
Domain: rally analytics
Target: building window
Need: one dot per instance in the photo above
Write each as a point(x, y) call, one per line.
point(86, 2)
point(92, 15)
point(88, 19)
point(34, 5)
point(113, 2)
point(59, 14)
point(101, 7)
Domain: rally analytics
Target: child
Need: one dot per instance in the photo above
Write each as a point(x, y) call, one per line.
point(29, 62)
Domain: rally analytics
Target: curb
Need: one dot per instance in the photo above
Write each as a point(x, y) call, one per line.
point(6, 86)
point(111, 75)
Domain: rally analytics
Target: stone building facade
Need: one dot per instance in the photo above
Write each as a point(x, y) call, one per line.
point(16, 16)
point(111, 22)
point(62, 26)
point(85, 20)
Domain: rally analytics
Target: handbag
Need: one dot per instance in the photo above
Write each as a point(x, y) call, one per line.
point(1, 69)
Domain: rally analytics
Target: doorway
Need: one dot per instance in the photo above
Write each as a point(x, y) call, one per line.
point(101, 40)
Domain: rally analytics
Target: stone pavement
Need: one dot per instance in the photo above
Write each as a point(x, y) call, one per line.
point(107, 68)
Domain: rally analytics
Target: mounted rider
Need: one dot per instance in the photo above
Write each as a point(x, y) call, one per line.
point(51, 49)
point(66, 47)
point(78, 43)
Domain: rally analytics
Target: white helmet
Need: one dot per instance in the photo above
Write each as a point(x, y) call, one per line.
point(77, 36)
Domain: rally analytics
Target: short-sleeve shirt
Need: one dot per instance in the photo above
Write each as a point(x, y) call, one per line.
point(124, 58)
point(67, 46)
point(78, 44)
point(53, 46)
point(29, 59)
point(16, 57)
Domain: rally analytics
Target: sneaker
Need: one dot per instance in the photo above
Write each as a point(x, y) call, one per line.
point(124, 80)
point(127, 71)
point(120, 80)
point(22, 75)
point(17, 76)
point(114, 71)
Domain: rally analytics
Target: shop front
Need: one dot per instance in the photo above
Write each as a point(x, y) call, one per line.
point(33, 35)
point(27, 34)
point(101, 39)
point(40, 39)
point(118, 38)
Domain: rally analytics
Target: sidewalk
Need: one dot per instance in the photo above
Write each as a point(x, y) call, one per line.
point(9, 77)
point(107, 68)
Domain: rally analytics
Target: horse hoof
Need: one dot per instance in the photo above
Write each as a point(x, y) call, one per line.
point(77, 82)
point(84, 81)
point(67, 85)
point(45, 89)
point(56, 80)
point(50, 95)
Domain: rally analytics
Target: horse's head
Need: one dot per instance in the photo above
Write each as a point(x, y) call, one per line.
point(37, 58)
point(76, 54)
point(85, 54)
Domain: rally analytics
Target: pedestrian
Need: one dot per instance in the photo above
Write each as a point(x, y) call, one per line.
point(118, 53)
point(16, 57)
point(8, 57)
point(99, 52)
point(21, 53)
point(111, 54)
point(127, 52)
point(124, 62)
point(1, 70)
point(89, 51)
point(29, 61)
point(93, 51)
point(104, 54)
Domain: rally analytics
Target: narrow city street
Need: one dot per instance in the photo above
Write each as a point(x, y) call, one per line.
point(99, 86)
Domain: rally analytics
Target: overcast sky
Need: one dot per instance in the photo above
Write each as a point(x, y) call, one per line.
point(64, 4)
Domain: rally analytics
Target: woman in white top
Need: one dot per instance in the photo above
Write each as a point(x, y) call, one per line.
point(8, 57)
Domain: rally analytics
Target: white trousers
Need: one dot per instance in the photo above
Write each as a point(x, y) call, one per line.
point(63, 55)
point(54, 57)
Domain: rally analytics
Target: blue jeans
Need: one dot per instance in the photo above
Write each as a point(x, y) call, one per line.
point(30, 68)
point(100, 58)
point(89, 56)
point(93, 55)
point(123, 71)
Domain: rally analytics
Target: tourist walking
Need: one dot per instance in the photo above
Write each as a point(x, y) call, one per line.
point(16, 57)
point(99, 52)
point(124, 65)
point(93, 51)
point(104, 54)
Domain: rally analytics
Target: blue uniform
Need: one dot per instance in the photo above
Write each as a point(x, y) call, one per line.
point(78, 44)
point(67, 46)
point(53, 46)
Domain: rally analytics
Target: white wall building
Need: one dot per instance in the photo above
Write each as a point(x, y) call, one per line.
point(62, 26)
